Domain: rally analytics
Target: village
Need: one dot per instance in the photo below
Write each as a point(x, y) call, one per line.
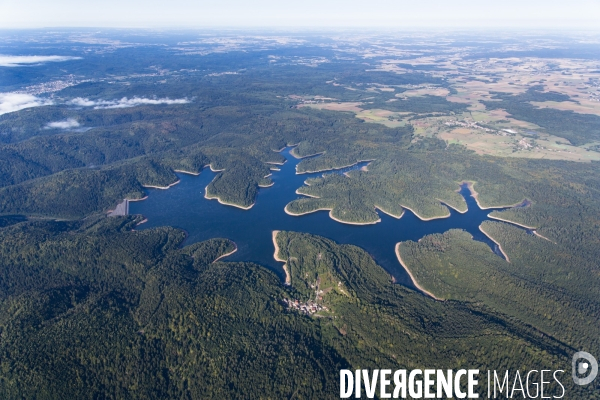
point(308, 308)
point(474, 125)
point(311, 307)
point(595, 95)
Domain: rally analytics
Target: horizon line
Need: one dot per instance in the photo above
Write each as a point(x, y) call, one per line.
point(314, 28)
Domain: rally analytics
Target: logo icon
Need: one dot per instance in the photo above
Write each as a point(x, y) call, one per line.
point(585, 368)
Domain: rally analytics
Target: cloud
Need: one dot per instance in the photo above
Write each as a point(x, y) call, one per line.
point(10, 102)
point(81, 102)
point(66, 124)
point(19, 61)
point(124, 102)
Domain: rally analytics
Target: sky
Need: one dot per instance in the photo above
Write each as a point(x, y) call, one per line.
point(578, 14)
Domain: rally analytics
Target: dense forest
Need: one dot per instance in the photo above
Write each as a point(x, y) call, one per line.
point(131, 315)
point(537, 285)
point(94, 309)
point(90, 307)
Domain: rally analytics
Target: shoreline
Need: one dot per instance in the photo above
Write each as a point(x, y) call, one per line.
point(364, 223)
point(275, 162)
point(475, 195)
point(328, 209)
point(531, 228)
point(143, 198)
point(425, 219)
point(330, 216)
point(452, 207)
point(141, 222)
point(210, 197)
point(288, 278)
point(312, 196)
point(376, 207)
point(512, 223)
point(298, 157)
point(335, 168)
point(497, 243)
point(269, 185)
point(162, 187)
point(206, 196)
point(212, 169)
point(424, 291)
point(186, 172)
point(389, 213)
point(227, 254)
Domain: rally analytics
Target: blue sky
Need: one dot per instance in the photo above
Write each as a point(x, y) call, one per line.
point(583, 14)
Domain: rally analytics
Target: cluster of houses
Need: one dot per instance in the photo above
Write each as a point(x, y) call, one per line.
point(474, 125)
point(595, 95)
point(470, 124)
point(313, 100)
point(53, 86)
point(310, 307)
point(524, 144)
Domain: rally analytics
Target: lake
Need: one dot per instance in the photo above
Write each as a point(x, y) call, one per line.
point(184, 206)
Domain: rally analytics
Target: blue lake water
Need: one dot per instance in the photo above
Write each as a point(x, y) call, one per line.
point(184, 206)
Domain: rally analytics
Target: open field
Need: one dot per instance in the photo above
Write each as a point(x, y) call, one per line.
point(385, 117)
point(388, 118)
point(559, 84)
point(517, 146)
point(428, 90)
point(352, 107)
point(523, 139)
point(583, 107)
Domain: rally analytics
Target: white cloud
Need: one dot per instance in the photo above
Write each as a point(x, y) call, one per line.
point(66, 124)
point(81, 102)
point(10, 102)
point(124, 102)
point(18, 61)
